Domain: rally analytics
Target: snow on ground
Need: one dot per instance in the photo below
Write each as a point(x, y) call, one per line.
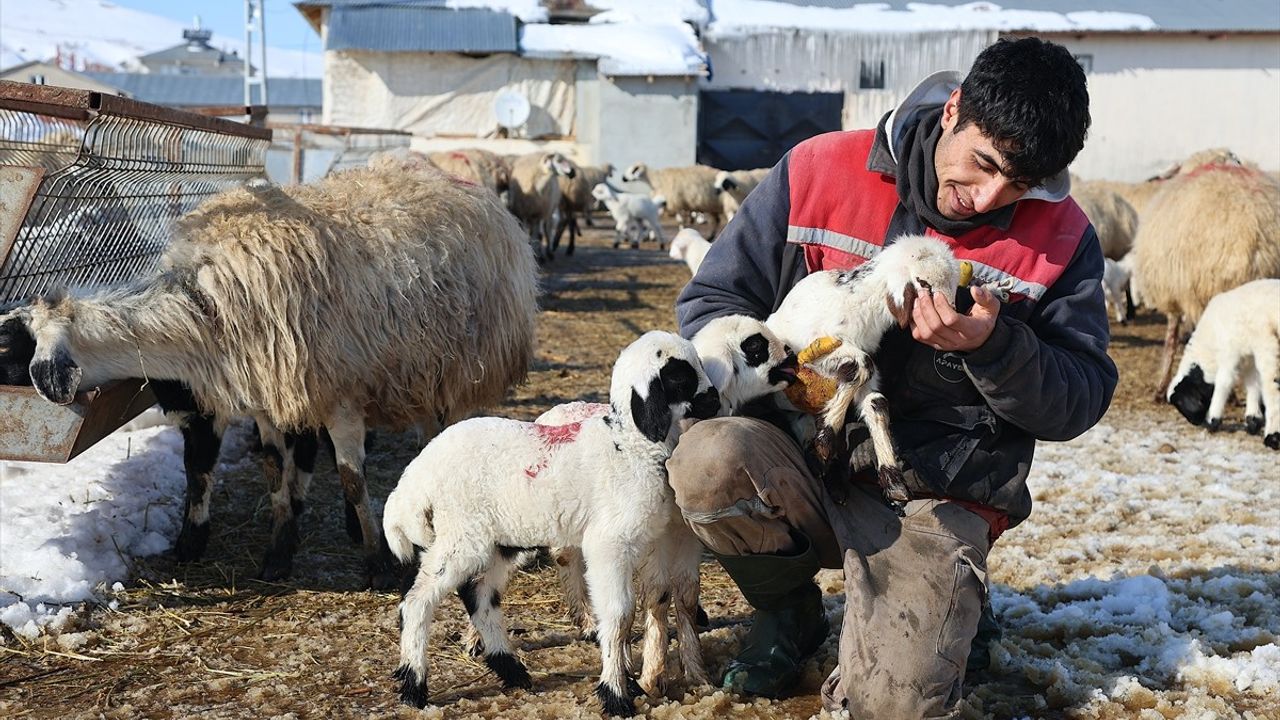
point(1146, 578)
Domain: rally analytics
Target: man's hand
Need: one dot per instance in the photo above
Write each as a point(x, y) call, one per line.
point(936, 323)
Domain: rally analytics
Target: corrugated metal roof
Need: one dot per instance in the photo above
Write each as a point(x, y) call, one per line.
point(1168, 15)
point(190, 90)
point(420, 28)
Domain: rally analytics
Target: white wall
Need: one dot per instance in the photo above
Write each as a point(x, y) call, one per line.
point(1156, 99)
point(641, 120)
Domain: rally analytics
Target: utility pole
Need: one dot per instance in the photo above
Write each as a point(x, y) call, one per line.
point(255, 19)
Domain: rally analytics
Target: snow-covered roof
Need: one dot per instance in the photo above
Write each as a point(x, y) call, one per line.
point(624, 48)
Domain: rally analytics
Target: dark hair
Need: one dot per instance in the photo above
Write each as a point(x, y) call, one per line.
point(1030, 97)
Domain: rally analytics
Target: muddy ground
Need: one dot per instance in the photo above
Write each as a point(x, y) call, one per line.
point(209, 640)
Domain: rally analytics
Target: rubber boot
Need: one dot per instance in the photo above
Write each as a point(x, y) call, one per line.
point(789, 623)
point(988, 631)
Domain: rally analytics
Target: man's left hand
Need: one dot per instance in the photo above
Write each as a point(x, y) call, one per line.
point(936, 323)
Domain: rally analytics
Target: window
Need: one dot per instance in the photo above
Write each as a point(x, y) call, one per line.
point(1086, 63)
point(871, 75)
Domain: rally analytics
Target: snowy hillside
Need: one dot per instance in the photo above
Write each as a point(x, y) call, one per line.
point(101, 32)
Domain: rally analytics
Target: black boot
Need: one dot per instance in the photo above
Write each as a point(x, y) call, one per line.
point(988, 631)
point(789, 624)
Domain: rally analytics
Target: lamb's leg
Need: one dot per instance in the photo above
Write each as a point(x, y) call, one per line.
point(1223, 381)
point(609, 571)
point(852, 369)
point(441, 569)
point(874, 409)
point(277, 466)
point(1267, 365)
point(1166, 360)
point(200, 444)
point(571, 571)
point(685, 586)
point(1252, 401)
point(654, 592)
point(347, 430)
point(481, 596)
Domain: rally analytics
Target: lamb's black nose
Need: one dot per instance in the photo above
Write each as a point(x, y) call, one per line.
point(706, 404)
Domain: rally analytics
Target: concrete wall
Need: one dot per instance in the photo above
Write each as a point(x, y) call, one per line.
point(639, 119)
point(1156, 99)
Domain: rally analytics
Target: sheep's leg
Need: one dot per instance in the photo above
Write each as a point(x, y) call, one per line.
point(874, 409)
point(498, 575)
point(1267, 366)
point(851, 368)
point(278, 466)
point(200, 444)
point(347, 430)
point(481, 596)
point(654, 592)
point(685, 586)
point(441, 569)
point(1166, 360)
point(1223, 381)
point(715, 226)
point(610, 566)
point(304, 446)
point(571, 571)
point(1252, 400)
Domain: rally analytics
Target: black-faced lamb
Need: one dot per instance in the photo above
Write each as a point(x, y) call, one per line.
point(735, 186)
point(486, 487)
point(857, 307)
point(376, 297)
point(1238, 338)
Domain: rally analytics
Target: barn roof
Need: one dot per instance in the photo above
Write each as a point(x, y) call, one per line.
point(420, 28)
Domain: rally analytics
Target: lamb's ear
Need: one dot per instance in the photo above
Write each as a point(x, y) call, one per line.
point(652, 414)
point(902, 313)
point(720, 373)
point(56, 378)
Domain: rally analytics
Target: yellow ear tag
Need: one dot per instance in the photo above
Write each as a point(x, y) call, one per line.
point(966, 273)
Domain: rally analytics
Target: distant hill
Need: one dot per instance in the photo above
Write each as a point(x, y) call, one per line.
point(107, 35)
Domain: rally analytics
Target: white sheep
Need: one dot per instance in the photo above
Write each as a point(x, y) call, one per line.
point(628, 209)
point(689, 245)
point(376, 297)
point(687, 190)
point(534, 196)
point(735, 186)
point(857, 307)
point(1238, 338)
point(1115, 288)
point(488, 486)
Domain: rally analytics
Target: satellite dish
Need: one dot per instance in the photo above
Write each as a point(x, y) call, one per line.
point(511, 108)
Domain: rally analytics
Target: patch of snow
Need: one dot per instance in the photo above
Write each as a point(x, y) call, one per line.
point(529, 11)
point(622, 49)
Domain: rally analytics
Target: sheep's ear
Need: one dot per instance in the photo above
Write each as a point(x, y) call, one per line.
point(720, 373)
point(56, 378)
point(902, 313)
point(652, 414)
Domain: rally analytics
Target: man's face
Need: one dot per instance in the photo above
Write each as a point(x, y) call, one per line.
point(970, 169)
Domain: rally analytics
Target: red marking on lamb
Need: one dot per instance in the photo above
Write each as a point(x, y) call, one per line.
point(551, 436)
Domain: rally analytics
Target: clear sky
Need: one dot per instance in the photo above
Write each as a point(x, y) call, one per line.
point(285, 27)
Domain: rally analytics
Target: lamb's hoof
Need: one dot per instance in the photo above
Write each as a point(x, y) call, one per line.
point(588, 636)
point(192, 542)
point(633, 687)
point(1253, 424)
point(354, 531)
point(655, 687)
point(276, 566)
point(1272, 441)
point(509, 670)
point(615, 703)
point(894, 485)
point(1213, 425)
point(824, 444)
point(298, 505)
point(701, 622)
point(382, 572)
point(413, 691)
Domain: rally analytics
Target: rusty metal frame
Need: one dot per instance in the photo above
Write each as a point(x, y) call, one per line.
point(36, 430)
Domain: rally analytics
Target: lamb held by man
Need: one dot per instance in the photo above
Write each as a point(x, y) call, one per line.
point(850, 311)
point(486, 488)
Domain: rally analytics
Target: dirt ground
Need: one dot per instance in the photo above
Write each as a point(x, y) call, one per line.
point(209, 640)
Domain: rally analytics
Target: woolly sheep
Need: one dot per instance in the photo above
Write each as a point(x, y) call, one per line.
point(689, 246)
point(687, 190)
point(1238, 337)
point(1113, 218)
point(475, 165)
point(857, 307)
point(1115, 288)
point(628, 209)
point(576, 199)
point(735, 186)
point(534, 195)
point(1139, 194)
point(1207, 231)
point(374, 297)
point(488, 486)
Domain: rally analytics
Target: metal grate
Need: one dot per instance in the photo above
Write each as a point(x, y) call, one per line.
point(118, 173)
point(314, 151)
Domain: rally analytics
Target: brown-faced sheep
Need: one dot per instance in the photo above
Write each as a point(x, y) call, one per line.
point(1207, 231)
point(376, 297)
point(534, 195)
point(576, 200)
point(734, 187)
point(687, 190)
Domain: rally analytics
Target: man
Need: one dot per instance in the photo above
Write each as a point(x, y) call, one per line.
point(971, 388)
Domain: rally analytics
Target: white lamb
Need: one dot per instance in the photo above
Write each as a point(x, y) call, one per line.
point(689, 246)
point(1238, 337)
point(857, 307)
point(627, 208)
point(1115, 288)
point(487, 487)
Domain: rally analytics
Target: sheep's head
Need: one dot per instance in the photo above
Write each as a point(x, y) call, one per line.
point(682, 242)
point(658, 381)
point(557, 164)
point(638, 171)
point(1191, 393)
point(916, 265)
point(725, 182)
point(744, 360)
point(17, 347)
point(46, 324)
point(602, 192)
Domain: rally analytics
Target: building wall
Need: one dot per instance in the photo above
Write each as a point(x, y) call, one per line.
point(640, 120)
point(1155, 99)
point(791, 61)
